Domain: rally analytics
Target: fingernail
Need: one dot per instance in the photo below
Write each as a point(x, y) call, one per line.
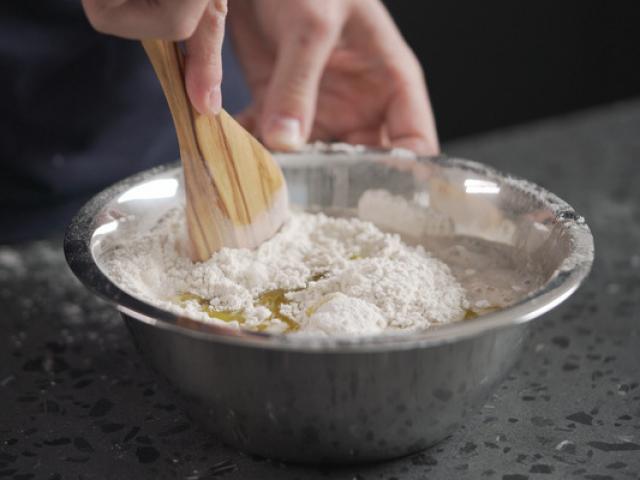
point(215, 100)
point(283, 133)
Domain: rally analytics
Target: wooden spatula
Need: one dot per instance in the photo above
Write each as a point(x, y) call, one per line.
point(236, 193)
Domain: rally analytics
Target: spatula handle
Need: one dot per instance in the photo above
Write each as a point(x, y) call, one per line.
point(168, 62)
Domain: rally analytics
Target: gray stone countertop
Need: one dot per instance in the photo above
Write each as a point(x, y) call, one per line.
point(76, 400)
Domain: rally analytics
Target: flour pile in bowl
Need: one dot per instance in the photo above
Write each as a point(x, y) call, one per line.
point(319, 275)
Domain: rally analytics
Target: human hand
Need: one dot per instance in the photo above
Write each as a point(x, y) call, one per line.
point(199, 22)
point(330, 70)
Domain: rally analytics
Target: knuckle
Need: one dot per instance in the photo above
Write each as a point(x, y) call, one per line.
point(98, 20)
point(215, 14)
point(406, 69)
point(220, 7)
point(97, 23)
point(209, 70)
point(316, 26)
point(182, 27)
point(415, 65)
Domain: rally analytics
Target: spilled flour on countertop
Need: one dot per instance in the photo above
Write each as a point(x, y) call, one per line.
point(319, 275)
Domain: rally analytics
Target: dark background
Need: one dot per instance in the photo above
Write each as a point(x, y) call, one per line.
point(494, 64)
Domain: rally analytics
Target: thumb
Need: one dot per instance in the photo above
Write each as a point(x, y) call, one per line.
point(203, 62)
point(290, 100)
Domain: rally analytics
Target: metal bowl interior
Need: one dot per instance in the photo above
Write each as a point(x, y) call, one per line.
point(480, 201)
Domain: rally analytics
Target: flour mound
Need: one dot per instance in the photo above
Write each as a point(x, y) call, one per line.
point(337, 276)
point(364, 318)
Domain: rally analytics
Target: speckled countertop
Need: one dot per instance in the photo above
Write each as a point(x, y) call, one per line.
point(77, 402)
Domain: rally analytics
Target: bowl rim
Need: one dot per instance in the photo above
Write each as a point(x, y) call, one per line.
point(567, 278)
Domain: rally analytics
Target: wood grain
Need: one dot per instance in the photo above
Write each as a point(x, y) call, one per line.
point(236, 193)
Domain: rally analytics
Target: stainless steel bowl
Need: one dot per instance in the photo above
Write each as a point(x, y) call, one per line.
point(344, 400)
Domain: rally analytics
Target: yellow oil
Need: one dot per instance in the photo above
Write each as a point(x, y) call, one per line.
point(224, 315)
point(273, 300)
point(471, 314)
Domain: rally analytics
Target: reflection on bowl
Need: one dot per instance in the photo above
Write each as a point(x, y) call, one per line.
point(344, 400)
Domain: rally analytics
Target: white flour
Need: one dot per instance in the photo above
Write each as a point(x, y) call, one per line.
point(321, 275)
